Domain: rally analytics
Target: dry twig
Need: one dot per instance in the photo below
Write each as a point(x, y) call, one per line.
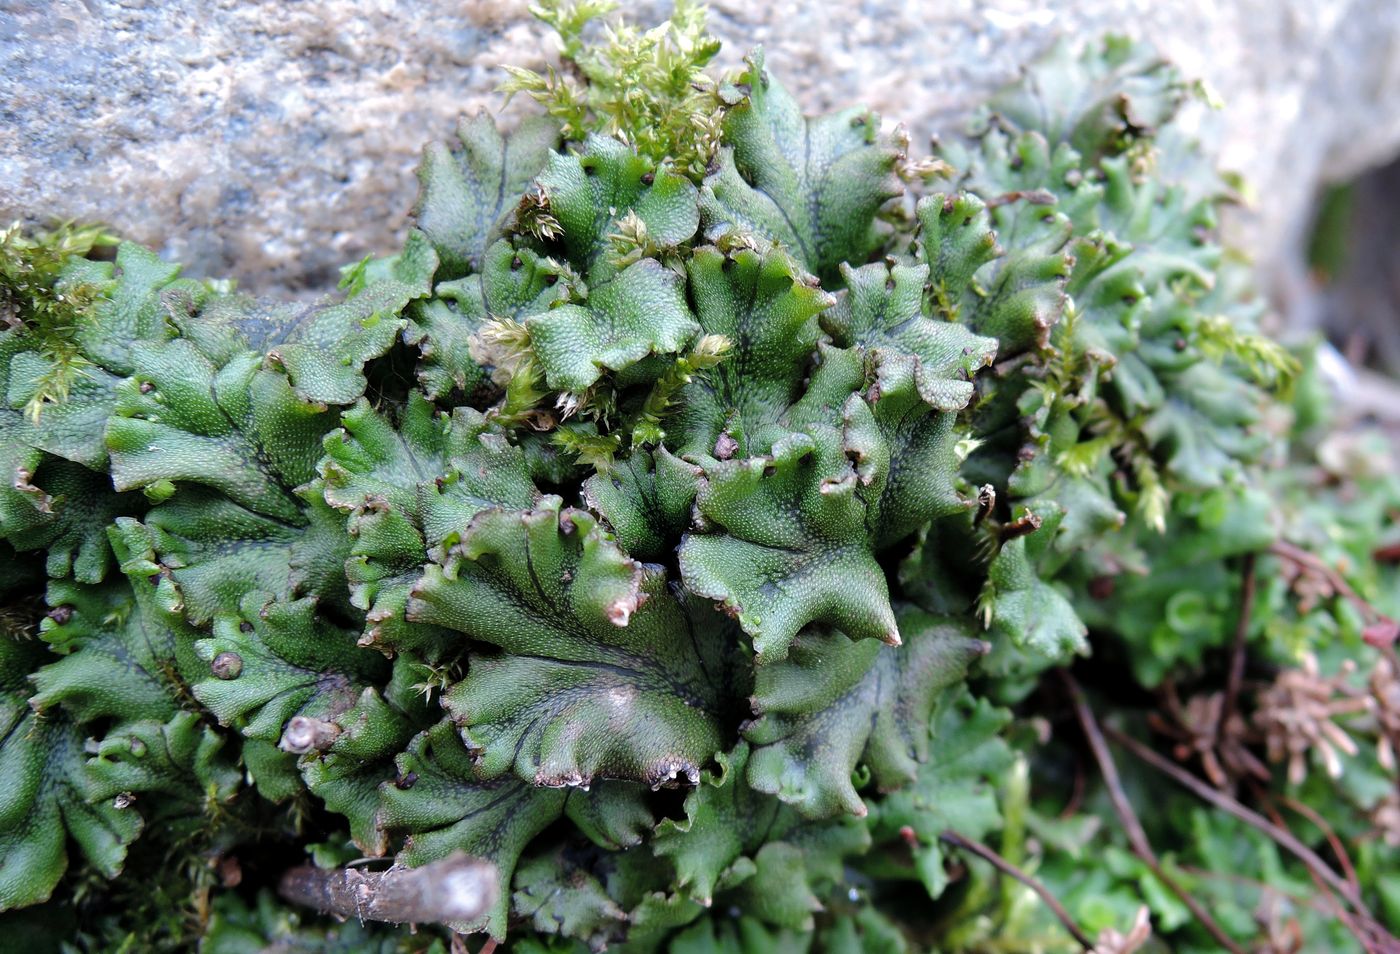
point(457, 888)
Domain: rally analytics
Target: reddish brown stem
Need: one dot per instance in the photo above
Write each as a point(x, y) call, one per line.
point(1137, 836)
point(1236, 676)
point(1230, 806)
point(1297, 554)
point(1322, 905)
point(1348, 920)
point(1338, 848)
point(1076, 795)
point(1005, 867)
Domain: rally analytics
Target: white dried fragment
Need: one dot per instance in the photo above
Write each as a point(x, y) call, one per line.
point(456, 889)
point(304, 734)
point(620, 611)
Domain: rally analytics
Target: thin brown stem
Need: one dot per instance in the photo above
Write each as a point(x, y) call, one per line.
point(1137, 836)
point(1349, 921)
point(1005, 867)
point(1236, 676)
point(1328, 832)
point(1076, 794)
point(1373, 938)
point(1230, 806)
point(1295, 553)
point(1325, 904)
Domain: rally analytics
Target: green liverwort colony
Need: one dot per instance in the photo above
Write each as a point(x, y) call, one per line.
point(685, 522)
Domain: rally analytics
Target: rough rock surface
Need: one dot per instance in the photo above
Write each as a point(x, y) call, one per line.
point(272, 141)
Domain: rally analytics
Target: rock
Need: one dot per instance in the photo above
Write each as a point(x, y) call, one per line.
point(1359, 305)
point(274, 141)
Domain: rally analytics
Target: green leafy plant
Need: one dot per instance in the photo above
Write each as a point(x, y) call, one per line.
point(645, 87)
point(697, 524)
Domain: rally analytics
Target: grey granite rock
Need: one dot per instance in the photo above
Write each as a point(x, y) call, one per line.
point(274, 141)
